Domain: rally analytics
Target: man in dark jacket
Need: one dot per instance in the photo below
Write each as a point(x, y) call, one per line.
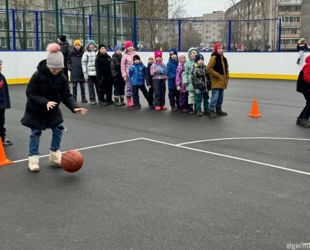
point(75, 67)
point(65, 49)
point(104, 76)
point(4, 104)
point(47, 88)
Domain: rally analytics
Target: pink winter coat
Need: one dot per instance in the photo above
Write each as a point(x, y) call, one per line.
point(127, 61)
point(178, 79)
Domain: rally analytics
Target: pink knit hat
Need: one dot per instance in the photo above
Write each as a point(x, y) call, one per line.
point(158, 53)
point(128, 44)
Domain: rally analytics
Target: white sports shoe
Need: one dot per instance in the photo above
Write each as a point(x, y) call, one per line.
point(55, 158)
point(33, 164)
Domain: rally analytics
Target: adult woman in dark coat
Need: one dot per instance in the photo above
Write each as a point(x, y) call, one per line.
point(47, 88)
point(4, 104)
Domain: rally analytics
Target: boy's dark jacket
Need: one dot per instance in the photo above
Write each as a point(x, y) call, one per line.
point(148, 76)
point(201, 78)
point(4, 93)
point(42, 88)
point(103, 67)
point(116, 67)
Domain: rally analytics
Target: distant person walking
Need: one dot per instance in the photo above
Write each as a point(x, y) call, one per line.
point(302, 47)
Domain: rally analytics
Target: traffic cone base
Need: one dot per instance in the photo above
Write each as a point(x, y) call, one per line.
point(3, 160)
point(254, 113)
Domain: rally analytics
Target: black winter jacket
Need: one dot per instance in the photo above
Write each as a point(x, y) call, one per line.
point(65, 49)
point(44, 87)
point(148, 76)
point(116, 67)
point(103, 67)
point(4, 93)
point(75, 65)
point(302, 86)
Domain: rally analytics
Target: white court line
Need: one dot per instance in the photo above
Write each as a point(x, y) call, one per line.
point(229, 157)
point(243, 138)
point(90, 147)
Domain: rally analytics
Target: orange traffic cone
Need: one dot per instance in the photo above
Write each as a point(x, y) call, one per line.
point(3, 160)
point(254, 110)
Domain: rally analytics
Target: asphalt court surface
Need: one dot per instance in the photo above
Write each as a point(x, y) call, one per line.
point(160, 189)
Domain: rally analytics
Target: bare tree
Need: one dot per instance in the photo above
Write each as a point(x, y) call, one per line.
point(190, 37)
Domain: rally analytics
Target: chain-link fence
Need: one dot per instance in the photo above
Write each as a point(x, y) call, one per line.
point(112, 24)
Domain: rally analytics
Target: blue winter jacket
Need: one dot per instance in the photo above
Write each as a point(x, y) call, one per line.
point(171, 73)
point(137, 74)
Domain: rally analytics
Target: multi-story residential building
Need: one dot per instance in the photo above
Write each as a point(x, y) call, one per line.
point(213, 28)
point(263, 35)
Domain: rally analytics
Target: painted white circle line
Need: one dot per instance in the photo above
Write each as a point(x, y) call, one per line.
point(243, 138)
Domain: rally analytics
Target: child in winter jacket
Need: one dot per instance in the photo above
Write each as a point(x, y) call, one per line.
point(137, 77)
point(119, 84)
point(75, 67)
point(183, 99)
point(188, 78)
point(171, 75)
point(4, 104)
point(303, 86)
point(200, 84)
point(149, 79)
point(218, 71)
point(104, 76)
point(47, 88)
point(302, 47)
point(158, 72)
point(89, 69)
point(127, 61)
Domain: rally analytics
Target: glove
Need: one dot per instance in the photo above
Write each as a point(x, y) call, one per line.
point(179, 88)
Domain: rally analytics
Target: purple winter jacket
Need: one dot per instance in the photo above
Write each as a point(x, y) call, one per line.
point(178, 79)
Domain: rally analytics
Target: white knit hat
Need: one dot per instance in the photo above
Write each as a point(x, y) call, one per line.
point(55, 58)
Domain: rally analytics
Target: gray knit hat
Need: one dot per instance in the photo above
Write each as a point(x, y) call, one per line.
point(55, 58)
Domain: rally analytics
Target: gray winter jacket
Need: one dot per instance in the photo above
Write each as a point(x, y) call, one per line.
point(88, 62)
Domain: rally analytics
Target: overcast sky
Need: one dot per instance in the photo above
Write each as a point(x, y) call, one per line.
point(199, 7)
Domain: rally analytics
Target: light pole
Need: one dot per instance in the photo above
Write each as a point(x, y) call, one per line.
point(7, 13)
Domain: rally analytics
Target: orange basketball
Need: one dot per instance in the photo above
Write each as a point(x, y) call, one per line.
point(72, 161)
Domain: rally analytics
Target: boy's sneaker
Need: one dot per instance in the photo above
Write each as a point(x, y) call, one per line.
point(93, 102)
point(199, 114)
point(6, 142)
point(219, 112)
point(305, 123)
point(174, 109)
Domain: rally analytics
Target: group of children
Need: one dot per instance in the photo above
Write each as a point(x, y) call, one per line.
point(189, 81)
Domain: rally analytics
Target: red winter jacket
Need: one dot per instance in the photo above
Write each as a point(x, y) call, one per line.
point(306, 70)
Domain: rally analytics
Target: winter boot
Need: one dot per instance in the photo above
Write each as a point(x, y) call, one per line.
point(220, 112)
point(213, 114)
point(207, 112)
point(199, 114)
point(129, 102)
point(33, 163)
point(163, 108)
point(117, 101)
point(157, 108)
point(298, 121)
point(84, 100)
point(55, 158)
point(122, 101)
point(305, 123)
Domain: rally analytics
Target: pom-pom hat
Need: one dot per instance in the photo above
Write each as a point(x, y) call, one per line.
point(77, 43)
point(128, 44)
point(158, 53)
point(55, 58)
